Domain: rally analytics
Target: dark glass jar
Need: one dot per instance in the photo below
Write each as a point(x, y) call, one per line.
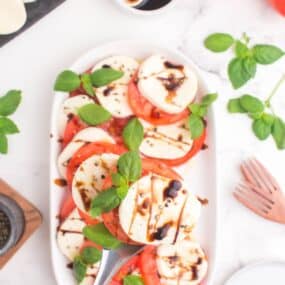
point(12, 223)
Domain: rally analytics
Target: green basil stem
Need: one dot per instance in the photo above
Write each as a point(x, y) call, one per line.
point(274, 91)
point(245, 38)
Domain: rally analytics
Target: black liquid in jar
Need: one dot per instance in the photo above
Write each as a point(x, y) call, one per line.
point(149, 5)
point(5, 229)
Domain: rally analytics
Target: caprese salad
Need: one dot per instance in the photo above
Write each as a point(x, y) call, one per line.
point(124, 125)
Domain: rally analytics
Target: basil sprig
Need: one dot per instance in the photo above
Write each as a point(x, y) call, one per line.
point(133, 280)
point(129, 170)
point(8, 105)
point(264, 121)
point(198, 112)
point(93, 114)
point(100, 235)
point(88, 256)
point(68, 80)
point(243, 66)
point(133, 134)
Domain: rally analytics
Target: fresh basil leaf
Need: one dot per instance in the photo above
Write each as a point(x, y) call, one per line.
point(10, 102)
point(93, 114)
point(122, 191)
point(196, 126)
point(241, 49)
point(267, 54)
point(249, 66)
point(67, 81)
point(133, 134)
point(251, 104)
point(256, 116)
point(3, 144)
point(268, 118)
point(79, 269)
point(261, 129)
point(91, 255)
point(118, 179)
point(219, 42)
point(104, 202)
point(209, 99)
point(87, 84)
point(198, 109)
point(105, 76)
point(100, 235)
point(7, 126)
point(130, 166)
point(278, 133)
point(237, 73)
point(133, 280)
point(234, 106)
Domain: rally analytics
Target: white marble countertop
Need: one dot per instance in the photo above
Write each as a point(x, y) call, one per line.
point(31, 61)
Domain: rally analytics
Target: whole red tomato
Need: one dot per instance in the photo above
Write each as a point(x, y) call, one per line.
point(279, 5)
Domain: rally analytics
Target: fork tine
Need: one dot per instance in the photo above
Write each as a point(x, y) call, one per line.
point(272, 181)
point(254, 197)
point(247, 174)
point(250, 205)
point(254, 176)
point(255, 193)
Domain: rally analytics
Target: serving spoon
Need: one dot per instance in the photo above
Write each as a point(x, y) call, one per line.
point(112, 260)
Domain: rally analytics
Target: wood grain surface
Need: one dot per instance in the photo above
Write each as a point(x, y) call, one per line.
point(33, 219)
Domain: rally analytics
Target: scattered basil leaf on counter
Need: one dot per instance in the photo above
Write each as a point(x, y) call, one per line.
point(278, 133)
point(100, 235)
point(234, 106)
point(243, 67)
point(93, 114)
point(10, 102)
point(87, 84)
point(105, 76)
point(267, 54)
point(196, 126)
point(3, 144)
point(7, 126)
point(198, 111)
point(219, 42)
point(91, 255)
point(67, 81)
point(261, 129)
point(104, 202)
point(79, 269)
point(133, 134)
point(133, 280)
point(251, 104)
point(130, 165)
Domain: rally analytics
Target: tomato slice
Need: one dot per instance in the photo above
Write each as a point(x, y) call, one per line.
point(112, 222)
point(89, 243)
point(159, 167)
point(74, 125)
point(67, 207)
point(148, 266)
point(147, 111)
point(87, 151)
point(197, 146)
point(279, 5)
point(128, 268)
point(87, 218)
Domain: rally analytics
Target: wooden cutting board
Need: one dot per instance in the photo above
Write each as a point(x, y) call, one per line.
point(32, 216)
point(35, 11)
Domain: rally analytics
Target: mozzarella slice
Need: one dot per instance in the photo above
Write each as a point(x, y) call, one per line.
point(91, 274)
point(70, 107)
point(183, 263)
point(88, 135)
point(166, 142)
point(89, 179)
point(170, 87)
point(69, 235)
point(12, 16)
point(113, 97)
point(152, 210)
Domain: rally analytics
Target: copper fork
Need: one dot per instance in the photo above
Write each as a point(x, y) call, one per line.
point(260, 192)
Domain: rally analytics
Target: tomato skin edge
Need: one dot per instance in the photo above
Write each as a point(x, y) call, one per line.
point(279, 5)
